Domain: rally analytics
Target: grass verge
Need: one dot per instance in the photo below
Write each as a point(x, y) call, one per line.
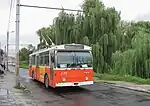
point(133, 79)
point(23, 65)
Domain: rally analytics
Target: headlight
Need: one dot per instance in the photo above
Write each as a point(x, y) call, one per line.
point(64, 79)
point(86, 78)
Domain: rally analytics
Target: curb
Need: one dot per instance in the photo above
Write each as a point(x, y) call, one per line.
point(26, 89)
point(21, 84)
point(129, 88)
point(108, 82)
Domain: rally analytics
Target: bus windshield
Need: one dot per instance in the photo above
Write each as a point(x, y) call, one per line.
point(68, 59)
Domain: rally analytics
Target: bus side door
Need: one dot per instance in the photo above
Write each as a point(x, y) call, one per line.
point(51, 67)
point(51, 73)
point(37, 69)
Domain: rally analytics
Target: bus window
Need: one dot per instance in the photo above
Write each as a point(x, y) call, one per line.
point(32, 60)
point(74, 59)
point(64, 59)
point(46, 59)
point(52, 58)
point(83, 59)
point(41, 60)
point(37, 60)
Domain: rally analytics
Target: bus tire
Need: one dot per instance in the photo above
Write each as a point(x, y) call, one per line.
point(46, 81)
point(33, 75)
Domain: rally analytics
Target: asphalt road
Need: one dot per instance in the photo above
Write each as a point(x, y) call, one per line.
point(95, 95)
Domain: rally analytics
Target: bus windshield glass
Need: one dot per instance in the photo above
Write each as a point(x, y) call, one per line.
point(76, 59)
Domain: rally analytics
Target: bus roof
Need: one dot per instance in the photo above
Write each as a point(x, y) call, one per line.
point(64, 47)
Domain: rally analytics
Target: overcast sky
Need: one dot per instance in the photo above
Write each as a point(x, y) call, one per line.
point(32, 19)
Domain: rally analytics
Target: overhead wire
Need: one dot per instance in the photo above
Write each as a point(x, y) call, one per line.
point(49, 8)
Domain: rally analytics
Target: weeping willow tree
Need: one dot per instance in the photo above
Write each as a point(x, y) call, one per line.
point(118, 47)
point(135, 61)
point(96, 26)
point(103, 25)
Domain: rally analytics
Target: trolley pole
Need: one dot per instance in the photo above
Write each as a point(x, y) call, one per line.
point(17, 42)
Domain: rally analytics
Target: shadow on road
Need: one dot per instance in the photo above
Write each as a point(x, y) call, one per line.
point(74, 96)
point(62, 90)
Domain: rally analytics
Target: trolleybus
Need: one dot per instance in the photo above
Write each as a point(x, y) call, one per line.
point(62, 65)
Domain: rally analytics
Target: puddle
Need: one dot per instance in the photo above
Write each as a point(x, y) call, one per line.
point(4, 92)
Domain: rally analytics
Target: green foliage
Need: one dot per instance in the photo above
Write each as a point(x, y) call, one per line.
point(24, 53)
point(110, 78)
point(118, 47)
point(24, 65)
point(134, 61)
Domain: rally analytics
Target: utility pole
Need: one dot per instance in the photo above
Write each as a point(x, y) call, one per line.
point(5, 56)
point(7, 49)
point(17, 41)
point(18, 5)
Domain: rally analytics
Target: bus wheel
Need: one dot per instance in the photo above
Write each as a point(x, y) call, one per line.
point(46, 81)
point(33, 75)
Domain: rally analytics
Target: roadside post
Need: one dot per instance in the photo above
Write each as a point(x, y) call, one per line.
point(17, 42)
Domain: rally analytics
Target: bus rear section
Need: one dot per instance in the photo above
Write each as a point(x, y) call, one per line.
point(74, 68)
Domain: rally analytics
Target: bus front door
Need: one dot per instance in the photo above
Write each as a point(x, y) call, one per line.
point(51, 75)
point(37, 70)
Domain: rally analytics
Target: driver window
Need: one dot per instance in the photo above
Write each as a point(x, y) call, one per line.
point(52, 58)
point(37, 60)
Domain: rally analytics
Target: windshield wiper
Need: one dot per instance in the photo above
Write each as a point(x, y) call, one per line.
point(79, 62)
point(70, 64)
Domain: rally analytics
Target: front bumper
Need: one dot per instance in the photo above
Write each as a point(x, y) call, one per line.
point(74, 83)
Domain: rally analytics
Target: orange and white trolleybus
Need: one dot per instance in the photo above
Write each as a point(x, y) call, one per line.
point(62, 65)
